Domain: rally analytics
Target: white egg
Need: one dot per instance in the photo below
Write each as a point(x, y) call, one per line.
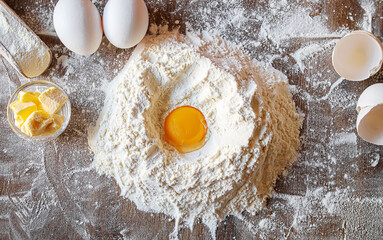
point(357, 56)
point(78, 25)
point(125, 22)
point(369, 123)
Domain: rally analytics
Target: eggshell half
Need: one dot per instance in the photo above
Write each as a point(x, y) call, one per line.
point(125, 22)
point(78, 25)
point(369, 123)
point(371, 96)
point(357, 56)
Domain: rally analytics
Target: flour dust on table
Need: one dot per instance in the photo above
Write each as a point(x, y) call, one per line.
point(253, 129)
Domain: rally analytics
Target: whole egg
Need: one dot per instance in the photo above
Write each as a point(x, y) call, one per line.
point(78, 25)
point(125, 22)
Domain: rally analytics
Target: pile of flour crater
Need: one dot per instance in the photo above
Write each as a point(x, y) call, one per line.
point(253, 129)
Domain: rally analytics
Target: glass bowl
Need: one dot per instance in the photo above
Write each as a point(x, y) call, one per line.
point(38, 86)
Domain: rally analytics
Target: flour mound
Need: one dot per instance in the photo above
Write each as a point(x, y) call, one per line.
point(253, 129)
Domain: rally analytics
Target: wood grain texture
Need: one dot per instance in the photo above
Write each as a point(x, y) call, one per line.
point(49, 191)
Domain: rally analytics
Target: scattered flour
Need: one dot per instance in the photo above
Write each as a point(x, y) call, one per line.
point(345, 138)
point(332, 192)
point(375, 158)
point(253, 129)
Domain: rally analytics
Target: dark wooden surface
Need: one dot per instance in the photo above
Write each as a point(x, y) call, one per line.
point(48, 191)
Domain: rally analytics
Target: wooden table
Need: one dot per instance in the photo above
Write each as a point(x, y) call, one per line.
point(334, 191)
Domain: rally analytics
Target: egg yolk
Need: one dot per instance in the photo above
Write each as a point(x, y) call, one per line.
point(185, 129)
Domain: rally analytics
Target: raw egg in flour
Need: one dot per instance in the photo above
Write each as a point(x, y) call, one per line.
point(185, 129)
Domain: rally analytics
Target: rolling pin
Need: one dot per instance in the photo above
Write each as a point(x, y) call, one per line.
point(20, 46)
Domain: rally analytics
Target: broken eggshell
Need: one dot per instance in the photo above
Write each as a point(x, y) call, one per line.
point(357, 56)
point(369, 123)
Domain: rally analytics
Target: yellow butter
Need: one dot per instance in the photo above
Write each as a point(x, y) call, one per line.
point(37, 123)
point(52, 100)
point(29, 97)
point(19, 121)
point(23, 109)
point(34, 112)
point(40, 123)
point(58, 121)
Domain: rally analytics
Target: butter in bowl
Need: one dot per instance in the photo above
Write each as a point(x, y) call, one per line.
point(39, 111)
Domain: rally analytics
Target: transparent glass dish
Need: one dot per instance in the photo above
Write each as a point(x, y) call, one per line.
point(38, 86)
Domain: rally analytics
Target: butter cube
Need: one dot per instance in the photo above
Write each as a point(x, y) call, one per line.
point(58, 119)
point(52, 100)
point(37, 123)
point(23, 109)
point(29, 97)
point(19, 121)
point(35, 113)
point(57, 123)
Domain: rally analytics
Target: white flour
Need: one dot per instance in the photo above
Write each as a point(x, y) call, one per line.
point(253, 129)
point(332, 192)
point(27, 50)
